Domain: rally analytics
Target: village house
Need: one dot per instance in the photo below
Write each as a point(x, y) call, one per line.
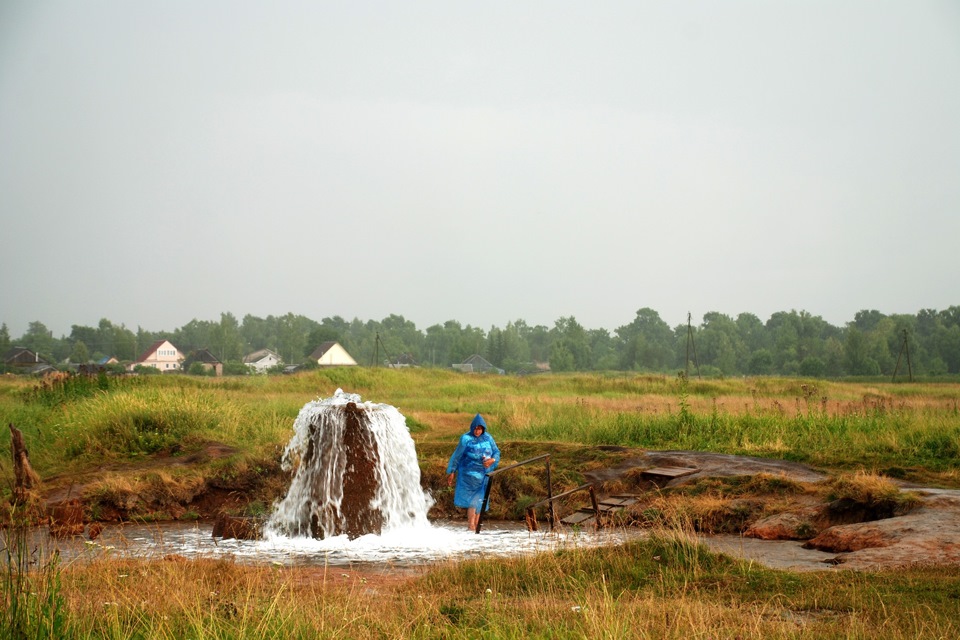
point(477, 364)
point(161, 355)
point(262, 360)
point(206, 360)
point(23, 360)
point(331, 354)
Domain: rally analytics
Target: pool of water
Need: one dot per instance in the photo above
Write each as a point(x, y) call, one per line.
point(414, 547)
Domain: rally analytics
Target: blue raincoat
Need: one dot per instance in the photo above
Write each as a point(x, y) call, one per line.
point(467, 461)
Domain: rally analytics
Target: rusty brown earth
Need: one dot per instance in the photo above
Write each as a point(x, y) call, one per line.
point(928, 534)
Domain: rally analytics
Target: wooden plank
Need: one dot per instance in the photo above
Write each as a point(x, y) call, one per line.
point(577, 517)
point(607, 508)
point(618, 502)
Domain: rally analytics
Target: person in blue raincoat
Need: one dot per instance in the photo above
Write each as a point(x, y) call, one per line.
point(476, 455)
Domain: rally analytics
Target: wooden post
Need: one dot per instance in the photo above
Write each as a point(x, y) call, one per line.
point(596, 506)
point(553, 515)
point(25, 478)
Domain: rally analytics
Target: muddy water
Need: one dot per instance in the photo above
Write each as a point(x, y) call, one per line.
point(412, 547)
point(417, 547)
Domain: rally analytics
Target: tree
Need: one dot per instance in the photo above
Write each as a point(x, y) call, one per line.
point(292, 332)
point(761, 363)
point(833, 357)
point(858, 361)
point(4, 338)
point(752, 332)
point(514, 347)
point(496, 347)
point(719, 343)
point(867, 319)
point(784, 331)
point(39, 339)
point(603, 354)
point(320, 335)
point(258, 333)
point(572, 337)
point(560, 358)
point(439, 343)
point(538, 340)
point(225, 339)
point(80, 353)
point(117, 341)
point(196, 334)
point(948, 347)
point(812, 367)
point(400, 335)
point(645, 343)
point(89, 336)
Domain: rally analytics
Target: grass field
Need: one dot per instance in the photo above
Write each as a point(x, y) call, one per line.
point(116, 440)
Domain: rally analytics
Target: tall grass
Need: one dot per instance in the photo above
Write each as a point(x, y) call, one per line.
point(31, 597)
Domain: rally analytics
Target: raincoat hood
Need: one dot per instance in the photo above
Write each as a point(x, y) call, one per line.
point(478, 421)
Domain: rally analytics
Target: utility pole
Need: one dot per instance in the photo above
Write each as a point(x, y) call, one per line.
point(376, 350)
point(904, 348)
point(693, 344)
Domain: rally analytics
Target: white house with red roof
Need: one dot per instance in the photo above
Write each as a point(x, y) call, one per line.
point(161, 355)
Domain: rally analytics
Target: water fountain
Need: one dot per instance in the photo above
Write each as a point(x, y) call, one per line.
point(356, 472)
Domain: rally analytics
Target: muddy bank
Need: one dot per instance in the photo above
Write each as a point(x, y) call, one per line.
point(747, 499)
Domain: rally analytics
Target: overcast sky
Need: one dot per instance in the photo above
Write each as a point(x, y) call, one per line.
point(476, 161)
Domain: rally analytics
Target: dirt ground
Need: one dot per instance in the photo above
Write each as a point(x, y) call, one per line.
point(927, 534)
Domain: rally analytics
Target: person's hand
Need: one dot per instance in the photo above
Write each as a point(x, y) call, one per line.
point(487, 462)
point(450, 480)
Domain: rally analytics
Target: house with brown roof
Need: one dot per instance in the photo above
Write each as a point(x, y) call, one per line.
point(207, 360)
point(161, 355)
point(22, 357)
point(23, 360)
point(331, 354)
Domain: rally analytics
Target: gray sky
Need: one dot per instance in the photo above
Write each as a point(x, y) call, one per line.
point(477, 161)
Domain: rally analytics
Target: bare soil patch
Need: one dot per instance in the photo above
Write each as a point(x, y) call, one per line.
point(861, 536)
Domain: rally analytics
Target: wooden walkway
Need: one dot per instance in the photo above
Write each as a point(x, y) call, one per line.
point(611, 504)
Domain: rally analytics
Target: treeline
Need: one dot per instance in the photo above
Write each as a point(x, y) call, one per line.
point(789, 343)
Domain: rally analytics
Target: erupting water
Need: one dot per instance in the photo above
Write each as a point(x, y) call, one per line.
point(356, 472)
